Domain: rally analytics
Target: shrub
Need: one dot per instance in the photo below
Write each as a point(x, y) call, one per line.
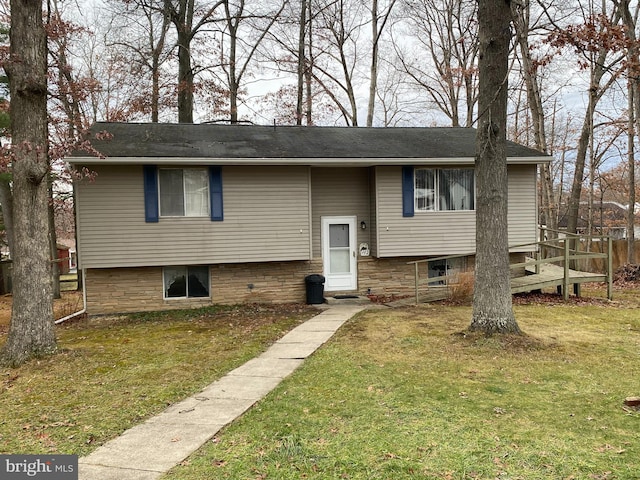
point(461, 289)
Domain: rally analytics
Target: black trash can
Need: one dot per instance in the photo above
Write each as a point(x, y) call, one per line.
point(315, 288)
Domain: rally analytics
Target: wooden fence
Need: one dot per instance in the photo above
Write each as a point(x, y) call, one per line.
point(619, 255)
point(68, 281)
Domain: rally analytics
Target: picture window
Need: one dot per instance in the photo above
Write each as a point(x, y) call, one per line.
point(444, 189)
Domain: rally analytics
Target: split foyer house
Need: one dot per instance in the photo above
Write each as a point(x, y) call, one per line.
point(182, 215)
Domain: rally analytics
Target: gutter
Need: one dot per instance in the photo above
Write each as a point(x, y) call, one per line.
point(84, 304)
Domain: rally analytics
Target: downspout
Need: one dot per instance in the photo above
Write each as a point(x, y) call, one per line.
point(84, 303)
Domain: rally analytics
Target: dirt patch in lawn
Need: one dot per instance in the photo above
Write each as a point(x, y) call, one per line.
point(69, 303)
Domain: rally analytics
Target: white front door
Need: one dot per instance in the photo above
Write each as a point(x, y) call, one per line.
point(339, 256)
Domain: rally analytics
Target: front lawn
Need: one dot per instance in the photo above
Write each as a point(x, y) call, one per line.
point(403, 394)
point(395, 394)
point(114, 372)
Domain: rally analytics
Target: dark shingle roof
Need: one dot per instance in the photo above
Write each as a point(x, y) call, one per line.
point(250, 141)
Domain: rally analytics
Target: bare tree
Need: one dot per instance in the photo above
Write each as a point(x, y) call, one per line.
point(395, 98)
point(6, 197)
point(335, 59)
point(91, 77)
point(445, 32)
point(289, 48)
point(302, 60)
point(521, 13)
point(66, 89)
point(594, 40)
point(31, 332)
point(189, 18)
point(141, 45)
point(243, 43)
point(492, 307)
point(6, 200)
point(630, 21)
point(379, 19)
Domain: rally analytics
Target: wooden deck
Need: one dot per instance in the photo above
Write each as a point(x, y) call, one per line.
point(541, 271)
point(553, 276)
point(550, 276)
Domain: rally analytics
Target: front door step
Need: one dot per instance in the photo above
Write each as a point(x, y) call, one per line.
point(347, 300)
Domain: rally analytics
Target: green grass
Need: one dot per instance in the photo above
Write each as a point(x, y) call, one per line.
point(111, 373)
point(403, 394)
point(396, 394)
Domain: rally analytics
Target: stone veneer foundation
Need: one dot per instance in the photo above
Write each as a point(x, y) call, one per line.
point(120, 290)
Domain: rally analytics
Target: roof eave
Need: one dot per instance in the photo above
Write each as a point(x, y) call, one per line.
point(315, 162)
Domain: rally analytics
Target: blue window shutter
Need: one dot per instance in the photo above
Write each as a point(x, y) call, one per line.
point(150, 174)
point(215, 192)
point(407, 191)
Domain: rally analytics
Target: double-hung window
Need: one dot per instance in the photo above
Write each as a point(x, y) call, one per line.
point(444, 189)
point(186, 281)
point(183, 192)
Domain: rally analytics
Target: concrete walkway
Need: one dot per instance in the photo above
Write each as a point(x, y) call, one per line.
point(147, 451)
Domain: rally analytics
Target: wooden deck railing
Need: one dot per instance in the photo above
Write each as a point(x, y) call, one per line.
point(561, 250)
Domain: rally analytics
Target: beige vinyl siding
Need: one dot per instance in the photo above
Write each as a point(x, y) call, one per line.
point(447, 233)
point(339, 192)
point(523, 205)
point(373, 230)
point(266, 218)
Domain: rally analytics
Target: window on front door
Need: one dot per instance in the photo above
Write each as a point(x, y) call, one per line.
point(183, 192)
point(443, 189)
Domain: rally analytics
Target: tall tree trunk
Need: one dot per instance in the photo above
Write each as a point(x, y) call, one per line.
point(239, 61)
point(185, 77)
point(598, 69)
point(155, 92)
point(233, 80)
point(634, 128)
point(308, 71)
point(6, 200)
point(633, 60)
point(581, 158)
point(373, 82)
point(53, 245)
point(521, 21)
point(492, 302)
point(32, 330)
point(157, 49)
point(376, 32)
point(232, 74)
point(301, 60)
point(181, 13)
point(182, 18)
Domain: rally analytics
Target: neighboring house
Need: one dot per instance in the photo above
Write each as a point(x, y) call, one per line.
point(183, 215)
point(63, 258)
point(608, 218)
point(67, 255)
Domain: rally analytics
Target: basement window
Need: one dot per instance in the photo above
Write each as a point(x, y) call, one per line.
point(186, 281)
point(447, 270)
